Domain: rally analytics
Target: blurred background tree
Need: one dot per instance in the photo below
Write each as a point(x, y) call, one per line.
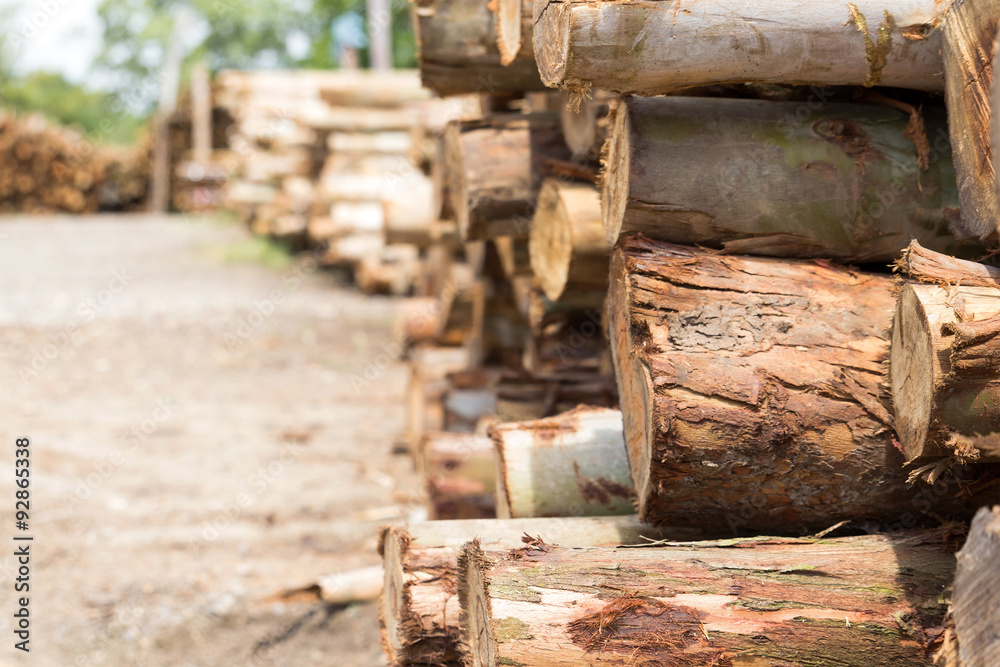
point(244, 34)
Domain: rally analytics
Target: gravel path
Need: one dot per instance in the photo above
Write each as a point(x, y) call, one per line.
point(202, 438)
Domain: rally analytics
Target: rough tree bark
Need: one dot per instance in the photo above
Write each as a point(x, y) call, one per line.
point(976, 597)
point(573, 464)
point(872, 600)
point(494, 170)
point(846, 183)
point(751, 391)
point(933, 267)
point(457, 41)
point(568, 246)
point(944, 370)
point(651, 47)
point(968, 49)
point(418, 610)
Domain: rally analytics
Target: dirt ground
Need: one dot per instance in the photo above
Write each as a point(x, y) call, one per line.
point(208, 427)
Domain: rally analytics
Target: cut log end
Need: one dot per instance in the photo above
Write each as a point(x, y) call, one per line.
point(977, 591)
point(551, 37)
point(508, 29)
point(454, 176)
point(479, 639)
point(615, 181)
point(968, 50)
point(392, 544)
point(911, 373)
point(551, 246)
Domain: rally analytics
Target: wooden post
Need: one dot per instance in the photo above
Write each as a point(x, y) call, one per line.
point(573, 464)
point(746, 382)
point(379, 34)
point(159, 191)
point(846, 183)
point(418, 610)
point(765, 601)
point(457, 40)
point(568, 245)
point(976, 597)
point(201, 113)
point(495, 169)
point(643, 48)
point(943, 371)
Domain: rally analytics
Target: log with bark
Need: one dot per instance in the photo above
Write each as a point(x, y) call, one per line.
point(943, 371)
point(846, 183)
point(418, 610)
point(976, 596)
point(573, 464)
point(870, 600)
point(929, 266)
point(494, 170)
point(568, 245)
point(457, 44)
point(652, 48)
point(460, 475)
point(751, 392)
point(968, 50)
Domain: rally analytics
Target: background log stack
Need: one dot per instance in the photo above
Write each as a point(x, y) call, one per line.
point(694, 289)
point(45, 168)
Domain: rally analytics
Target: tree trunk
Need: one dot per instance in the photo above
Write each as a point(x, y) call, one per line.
point(968, 49)
point(513, 18)
point(457, 41)
point(943, 370)
point(846, 184)
point(933, 267)
point(653, 48)
point(573, 464)
point(568, 246)
point(418, 610)
point(460, 475)
point(494, 170)
point(751, 392)
point(585, 122)
point(976, 596)
point(871, 600)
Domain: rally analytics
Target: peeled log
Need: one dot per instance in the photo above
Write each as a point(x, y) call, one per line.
point(653, 48)
point(969, 49)
point(751, 391)
point(976, 598)
point(844, 184)
point(567, 245)
point(460, 475)
point(457, 41)
point(871, 600)
point(494, 170)
point(944, 371)
point(418, 610)
point(573, 464)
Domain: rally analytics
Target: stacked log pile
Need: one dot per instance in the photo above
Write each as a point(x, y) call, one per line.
point(46, 168)
point(667, 295)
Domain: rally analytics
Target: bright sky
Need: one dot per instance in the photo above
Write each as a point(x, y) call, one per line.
point(54, 35)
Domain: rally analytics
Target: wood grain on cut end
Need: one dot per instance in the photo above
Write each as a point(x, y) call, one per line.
point(976, 598)
point(551, 245)
point(509, 38)
point(479, 639)
point(970, 33)
point(911, 373)
point(616, 172)
point(551, 41)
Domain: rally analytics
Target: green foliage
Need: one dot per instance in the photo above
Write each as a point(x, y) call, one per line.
point(92, 113)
